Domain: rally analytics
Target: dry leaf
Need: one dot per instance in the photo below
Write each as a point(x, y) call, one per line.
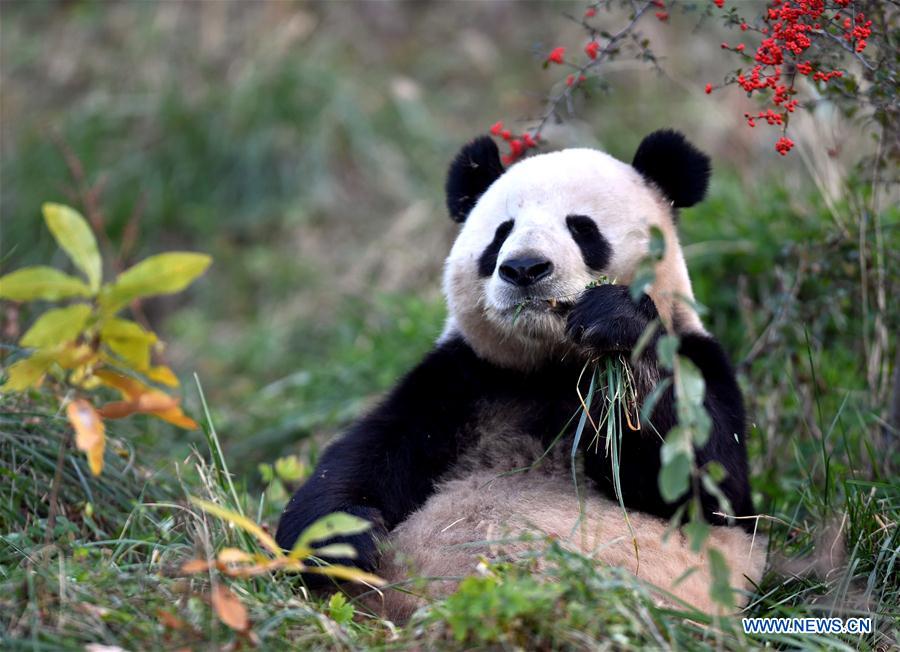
point(171, 621)
point(229, 609)
point(192, 566)
point(89, 432)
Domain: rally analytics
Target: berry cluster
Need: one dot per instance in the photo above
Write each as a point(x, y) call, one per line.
point(518, 145)
point(789, 30)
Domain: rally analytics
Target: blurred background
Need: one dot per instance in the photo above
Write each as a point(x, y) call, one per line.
point(304, 146)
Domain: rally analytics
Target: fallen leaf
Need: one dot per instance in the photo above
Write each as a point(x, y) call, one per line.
point(229, 609)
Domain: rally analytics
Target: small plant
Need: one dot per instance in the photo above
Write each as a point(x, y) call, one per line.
point(85, 344)
point(239, 563)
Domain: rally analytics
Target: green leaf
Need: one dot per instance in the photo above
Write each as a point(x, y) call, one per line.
point(339, 609)
point(57, 326)
point(657, 245)
point(720, 587)
point(27, 373)
point(32, 283)
point(290, 468)
point(674, 477)
point(161, 274)
point(333, 525)
point(336, 551)
point(697, 532)
point(666, 348)
point(643, 278)
point(73, 234)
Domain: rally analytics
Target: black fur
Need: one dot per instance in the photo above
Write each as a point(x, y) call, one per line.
point(677, 168)
point(387, 464)
point(595, 249)
point(472, 172)
point(488, 259)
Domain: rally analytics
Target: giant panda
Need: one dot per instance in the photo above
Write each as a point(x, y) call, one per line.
point(472, 446)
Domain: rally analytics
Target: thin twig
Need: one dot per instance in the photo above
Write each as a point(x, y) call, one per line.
point(566, 95)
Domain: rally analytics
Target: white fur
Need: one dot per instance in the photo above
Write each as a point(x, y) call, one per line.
point(485, 516)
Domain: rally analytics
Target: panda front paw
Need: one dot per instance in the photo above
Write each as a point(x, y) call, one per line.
point(367, 546)
point(607, 319)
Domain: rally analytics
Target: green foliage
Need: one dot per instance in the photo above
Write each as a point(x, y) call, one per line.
point(494, 609)
point(82, 345)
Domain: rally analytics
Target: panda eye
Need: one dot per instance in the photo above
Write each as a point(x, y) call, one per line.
point(581, 225)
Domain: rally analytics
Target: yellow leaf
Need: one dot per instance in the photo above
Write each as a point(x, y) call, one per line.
point(27, 373)
point(125, 329)
point(176, 417)
point(160, 274)
point(240, 521)
point(89, 432)
point(129, 341)
point(129, 388)
point(134, 353)
point(149, 402)
point(229, 609)
point(346, 573)
point(30, 283)
point(162, 374)
point(57, 326)
point(73, 234)
point(72, 355)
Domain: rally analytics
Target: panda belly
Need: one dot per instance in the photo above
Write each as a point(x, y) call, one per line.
point(504, 512)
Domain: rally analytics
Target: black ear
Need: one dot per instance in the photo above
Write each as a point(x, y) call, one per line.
point(473, 170)
point(678, 168)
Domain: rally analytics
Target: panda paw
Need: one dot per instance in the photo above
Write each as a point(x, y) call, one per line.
point(366, 544)
point(607, 319)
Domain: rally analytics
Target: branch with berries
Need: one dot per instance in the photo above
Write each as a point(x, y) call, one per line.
point(795, 39)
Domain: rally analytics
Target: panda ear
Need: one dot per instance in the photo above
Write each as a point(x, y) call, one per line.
point(472, 172)
point(678, 168)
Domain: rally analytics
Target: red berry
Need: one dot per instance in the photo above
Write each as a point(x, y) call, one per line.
point(591, 49)
point(496, 128)
point(590, 12)
point(556, 55)
point(708, 89)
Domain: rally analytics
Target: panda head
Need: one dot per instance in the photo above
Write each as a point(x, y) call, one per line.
point(534, 236)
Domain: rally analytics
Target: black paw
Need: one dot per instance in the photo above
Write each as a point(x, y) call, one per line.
point(366, 544)
point(607, 319)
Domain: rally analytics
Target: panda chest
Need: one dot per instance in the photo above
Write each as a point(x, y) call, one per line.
point(509, 433)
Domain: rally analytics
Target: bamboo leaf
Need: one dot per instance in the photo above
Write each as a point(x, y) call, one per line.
point(90, 434)
point(32, 283)
point(244, 523)
point(73, 234)
point(57, 326)
point(161, 274)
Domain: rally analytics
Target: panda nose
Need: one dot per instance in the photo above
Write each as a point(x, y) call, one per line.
point(525, 271)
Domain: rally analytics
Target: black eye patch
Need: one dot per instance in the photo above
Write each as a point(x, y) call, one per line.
point(488, 260)
point(595, 249)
